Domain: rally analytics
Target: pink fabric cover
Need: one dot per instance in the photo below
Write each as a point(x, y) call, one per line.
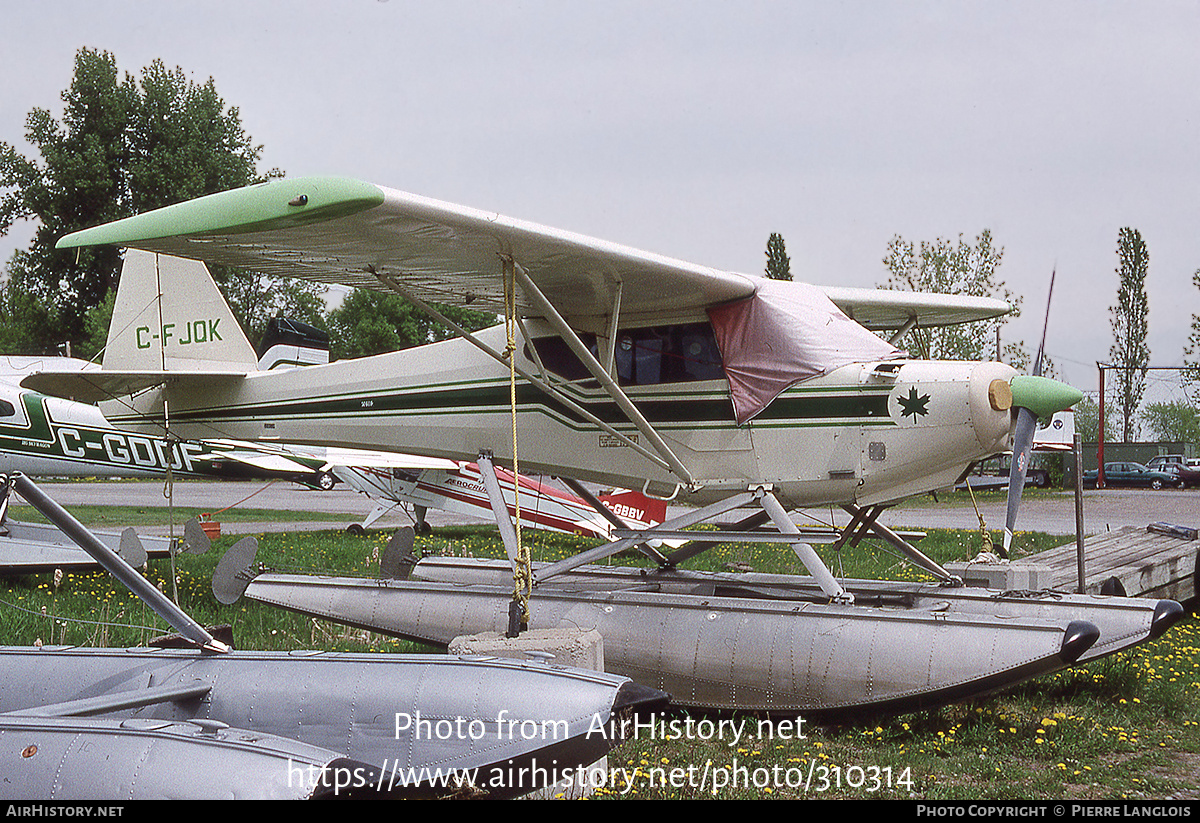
point(786, 333)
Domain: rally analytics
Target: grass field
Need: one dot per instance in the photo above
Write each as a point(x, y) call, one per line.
point(1124, 727)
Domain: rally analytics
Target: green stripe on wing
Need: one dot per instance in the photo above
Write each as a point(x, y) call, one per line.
point(263, 207)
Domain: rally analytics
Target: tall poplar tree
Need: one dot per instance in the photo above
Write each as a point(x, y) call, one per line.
point(779, 265)
point(955, 267)
point(1191, 351)
point(1130, 352)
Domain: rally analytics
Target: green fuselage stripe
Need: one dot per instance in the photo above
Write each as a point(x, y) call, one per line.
point(801, 408)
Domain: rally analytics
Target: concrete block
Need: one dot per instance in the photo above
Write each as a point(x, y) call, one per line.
point(565, 647)
point(1002, 576)
point(582, 649)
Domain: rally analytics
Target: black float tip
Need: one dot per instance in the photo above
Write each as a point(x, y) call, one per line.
point(1078, 638)
point(1166, 614)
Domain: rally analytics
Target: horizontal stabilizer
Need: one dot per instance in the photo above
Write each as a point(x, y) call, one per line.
point(94, 386)
point(264, 461)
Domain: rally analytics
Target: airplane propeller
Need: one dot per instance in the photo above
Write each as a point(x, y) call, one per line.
point(1033, 397)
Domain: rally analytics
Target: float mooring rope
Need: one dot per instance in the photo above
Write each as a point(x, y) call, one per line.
point(523, 568)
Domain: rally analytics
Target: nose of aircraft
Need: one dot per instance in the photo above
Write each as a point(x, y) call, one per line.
point(1043, 396)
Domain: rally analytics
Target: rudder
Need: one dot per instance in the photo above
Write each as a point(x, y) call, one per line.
point(170, 316)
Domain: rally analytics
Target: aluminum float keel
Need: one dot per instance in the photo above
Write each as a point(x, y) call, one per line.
point(716, 651)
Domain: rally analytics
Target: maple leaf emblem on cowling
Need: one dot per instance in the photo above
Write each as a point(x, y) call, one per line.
point(917, 406)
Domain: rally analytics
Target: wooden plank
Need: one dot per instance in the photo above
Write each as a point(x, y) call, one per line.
point(1146, 564)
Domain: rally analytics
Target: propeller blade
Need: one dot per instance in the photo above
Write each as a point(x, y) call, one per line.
point(1037, 361)
point(1033, 397)
point(1022, 449)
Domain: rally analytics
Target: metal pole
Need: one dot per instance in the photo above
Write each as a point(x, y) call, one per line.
point(1100, 446)
point(1079, 510)
point(491, 484)
point(119, 569)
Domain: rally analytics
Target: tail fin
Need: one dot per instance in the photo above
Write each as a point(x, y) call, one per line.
point(1058, 434)
point(170, 316)
point(636, 507)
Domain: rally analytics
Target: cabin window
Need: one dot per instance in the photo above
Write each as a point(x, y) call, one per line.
point(644, 357)
point(7, 409)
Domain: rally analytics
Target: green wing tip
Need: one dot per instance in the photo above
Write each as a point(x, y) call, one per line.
point(277, 204)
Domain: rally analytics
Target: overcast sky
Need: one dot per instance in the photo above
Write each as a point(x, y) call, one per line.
point(695, 129)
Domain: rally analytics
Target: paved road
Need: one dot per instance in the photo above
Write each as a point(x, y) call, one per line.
point(218, 496)
point(1055, 514)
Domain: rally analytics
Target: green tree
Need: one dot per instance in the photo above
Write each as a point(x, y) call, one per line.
point(123, 146)
point(255, 298)
point(370, 322)
point(1087, 421)
point(946, 267)
point(1129, 352)
point(73, 185)
point(779, 265)
point(1191, 352)
point(1175, 422)
point(28, 323)
point(95, 328)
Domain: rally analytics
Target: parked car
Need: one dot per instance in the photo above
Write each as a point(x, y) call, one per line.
point(1174, 464)
point(993, 474)
point(1131, 474)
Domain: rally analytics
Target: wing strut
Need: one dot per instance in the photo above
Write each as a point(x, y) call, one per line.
point(788, 532)
point(534, 380)
point(591, 499)
point(908, 326)
point(865, 522)
point(540, 302)
point(610, 356)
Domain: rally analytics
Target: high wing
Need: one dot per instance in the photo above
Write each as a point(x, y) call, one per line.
point(335, 230)
point(359, 458)
point(256, 458)
point(281, 457)
point(341, 231)
point(886, 309)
